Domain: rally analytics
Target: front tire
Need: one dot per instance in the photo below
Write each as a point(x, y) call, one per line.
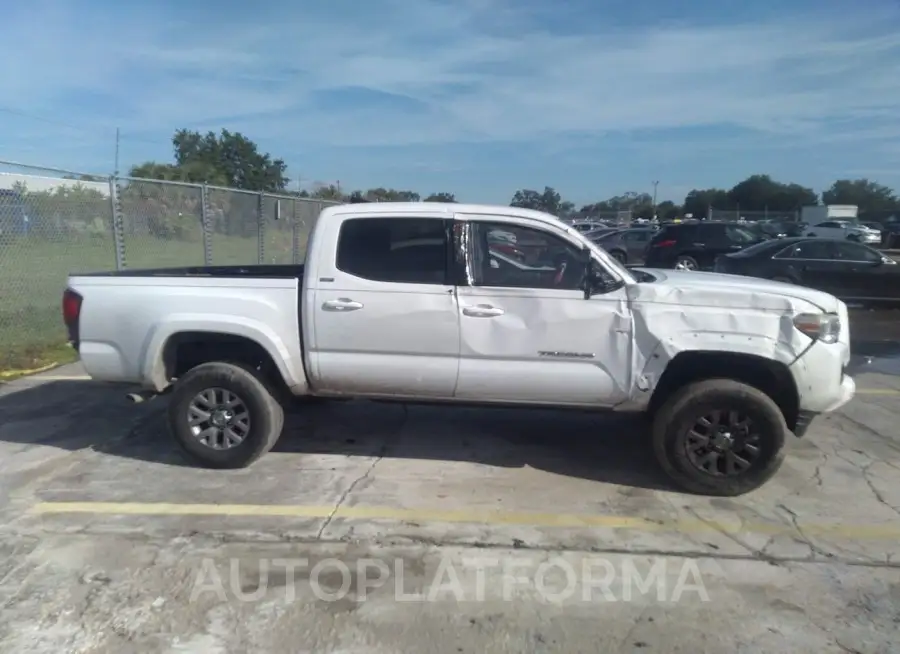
point(719, 437)
point(223, 415)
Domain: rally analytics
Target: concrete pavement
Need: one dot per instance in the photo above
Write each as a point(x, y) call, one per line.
point(385, 528)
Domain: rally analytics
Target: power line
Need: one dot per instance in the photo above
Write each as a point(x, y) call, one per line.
point(110, 132)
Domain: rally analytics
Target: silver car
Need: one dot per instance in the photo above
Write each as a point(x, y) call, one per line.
point(626, 245)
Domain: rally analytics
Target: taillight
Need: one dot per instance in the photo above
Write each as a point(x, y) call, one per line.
point(665, 244)
point(71, 306)
point(71, 310)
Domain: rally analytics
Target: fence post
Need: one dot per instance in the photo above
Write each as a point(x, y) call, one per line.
point(118, 223)
point(295, 233)
point(206, 223)
point(261, 231)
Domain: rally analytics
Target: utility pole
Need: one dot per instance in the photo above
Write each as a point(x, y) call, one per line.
point(655, 184)
point(116, 173)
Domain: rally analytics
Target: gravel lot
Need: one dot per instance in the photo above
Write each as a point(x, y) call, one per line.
point(384, 528)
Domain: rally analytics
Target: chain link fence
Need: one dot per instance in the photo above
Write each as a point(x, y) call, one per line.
point(752, 216)
point(56, 222)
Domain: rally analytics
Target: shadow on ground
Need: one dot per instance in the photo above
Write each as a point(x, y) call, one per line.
point(76, 415)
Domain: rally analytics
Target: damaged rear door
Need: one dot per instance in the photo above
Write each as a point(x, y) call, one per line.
point(527, 334)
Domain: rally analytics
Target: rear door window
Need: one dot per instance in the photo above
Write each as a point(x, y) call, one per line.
point(816, 250)
point(855, 252)
point(400, 250)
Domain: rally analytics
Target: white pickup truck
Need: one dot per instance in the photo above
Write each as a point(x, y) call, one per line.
point(414, 302)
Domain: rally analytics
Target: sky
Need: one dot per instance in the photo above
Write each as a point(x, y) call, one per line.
point(474, 97)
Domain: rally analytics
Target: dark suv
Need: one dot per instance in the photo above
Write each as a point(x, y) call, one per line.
point(695, 245)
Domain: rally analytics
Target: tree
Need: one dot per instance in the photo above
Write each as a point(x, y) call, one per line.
point(762, 193)
point(699, 201)
point(440, 197)
point(331, 192)
point(391, 195)
point(550, 201)
point(229, 159)
point(872, 198)
point(356, 197)
point(667, 210)
point(639, 204)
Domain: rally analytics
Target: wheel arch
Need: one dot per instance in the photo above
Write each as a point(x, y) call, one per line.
point(770, 376)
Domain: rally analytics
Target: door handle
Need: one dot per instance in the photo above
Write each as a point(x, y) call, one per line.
point(342, 304)
point(699, 245)
point(482, 311)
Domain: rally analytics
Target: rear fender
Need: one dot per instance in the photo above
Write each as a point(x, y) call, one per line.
point(288, 360)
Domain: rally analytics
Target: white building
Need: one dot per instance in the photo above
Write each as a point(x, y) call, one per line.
point(38, 183)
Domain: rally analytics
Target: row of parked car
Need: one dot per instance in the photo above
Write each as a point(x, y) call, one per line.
point(885, 234)
point(845, 265)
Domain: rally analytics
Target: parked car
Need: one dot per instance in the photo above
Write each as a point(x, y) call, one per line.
point(845, 229)
point(782, 228)
point(627, 246)
point(400, 302)
point(890, 233)
point(584, 226)
point(594, 234)
point(695, 245)
point(851, 271)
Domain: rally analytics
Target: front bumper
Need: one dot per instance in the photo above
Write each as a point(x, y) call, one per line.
point(848, 390)
point(805, 418)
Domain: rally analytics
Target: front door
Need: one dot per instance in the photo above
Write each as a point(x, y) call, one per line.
point(528, 334)
point(867, 276)
point(813, 264)
point(386, 321)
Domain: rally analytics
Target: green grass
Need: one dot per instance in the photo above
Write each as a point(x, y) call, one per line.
point(33, 276)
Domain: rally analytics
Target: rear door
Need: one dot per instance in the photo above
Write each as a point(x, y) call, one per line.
point(636, 241)
point(386, 320)
point(712, 240)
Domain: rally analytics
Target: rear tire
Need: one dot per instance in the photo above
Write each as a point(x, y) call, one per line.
point(619, 256)
point(685, 262)
point(681, 423)
point(243, 419)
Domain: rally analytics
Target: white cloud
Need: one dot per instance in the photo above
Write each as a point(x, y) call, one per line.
point(478, 72)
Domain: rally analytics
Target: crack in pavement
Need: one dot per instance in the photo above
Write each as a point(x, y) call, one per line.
point(206, 539)
point(755, 553)
point(881, 437)
point(382, 452)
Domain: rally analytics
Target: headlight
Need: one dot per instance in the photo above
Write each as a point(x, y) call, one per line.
point(825, 327)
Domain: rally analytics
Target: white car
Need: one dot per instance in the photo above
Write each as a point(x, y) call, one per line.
point(845, 229)
point(411, 302)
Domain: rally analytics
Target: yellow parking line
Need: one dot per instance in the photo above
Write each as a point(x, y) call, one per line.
point(56, 378)
point(877, 391)
point(498, 518)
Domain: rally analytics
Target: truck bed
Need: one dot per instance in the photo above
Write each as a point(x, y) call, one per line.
point(264, 271)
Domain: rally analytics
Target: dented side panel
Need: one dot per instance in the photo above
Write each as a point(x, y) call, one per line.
point(671, 319)
point(547, 347)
